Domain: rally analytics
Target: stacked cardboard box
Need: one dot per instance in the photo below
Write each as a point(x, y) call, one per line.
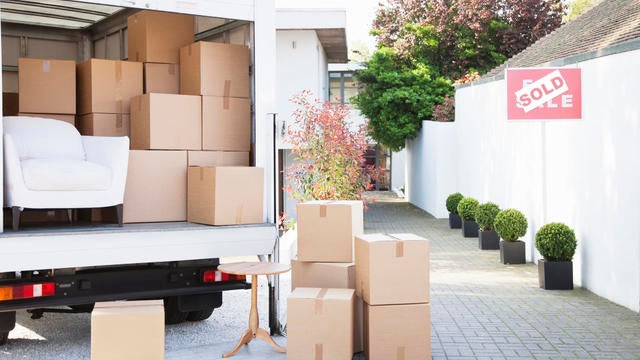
point(392, 277)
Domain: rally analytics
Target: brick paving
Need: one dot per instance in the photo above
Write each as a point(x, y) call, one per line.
point(482, 309)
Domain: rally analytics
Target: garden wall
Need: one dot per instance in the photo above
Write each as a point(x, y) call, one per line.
point(581, 172)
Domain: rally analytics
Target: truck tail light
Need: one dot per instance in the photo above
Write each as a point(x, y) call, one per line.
point(17, 292)
point(211, 276)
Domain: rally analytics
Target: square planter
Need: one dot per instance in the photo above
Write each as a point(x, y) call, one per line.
point(488, 240)
point(512, 252)
point(555, 275)
point(455, 222)
point(469, 228)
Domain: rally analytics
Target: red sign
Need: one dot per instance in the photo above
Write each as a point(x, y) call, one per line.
point(544, 93)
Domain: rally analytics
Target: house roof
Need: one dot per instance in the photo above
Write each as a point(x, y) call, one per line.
point(611, 22)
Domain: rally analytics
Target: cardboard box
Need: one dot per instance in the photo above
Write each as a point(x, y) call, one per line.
point(331, 275)
point(71, 119)
point(326, 230)
point(107, 86)
point(218, 158)
point(10, 104)
point(155, 36)
point(166, 122)
point(392, 268)
point(156, 188)
point(225, 195)
point(397, 332)
point(214, 69)
point(161, 78)
point(137, 327)
point(319, 324)
point(98, 124)
point(47, 86)
point(226, 123)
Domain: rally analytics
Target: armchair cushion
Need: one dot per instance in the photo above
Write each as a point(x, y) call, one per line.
point(55, 140)
point(65, 174)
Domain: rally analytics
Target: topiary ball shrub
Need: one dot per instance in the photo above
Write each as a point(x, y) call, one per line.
point(556, 242)
point(485, 214)
point(467, 208)
point(510, 224)
point(452, 202)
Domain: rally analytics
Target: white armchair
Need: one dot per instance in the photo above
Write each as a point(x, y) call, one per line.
point(49, 165)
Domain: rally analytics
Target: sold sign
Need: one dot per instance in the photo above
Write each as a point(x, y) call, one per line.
point(543, 93)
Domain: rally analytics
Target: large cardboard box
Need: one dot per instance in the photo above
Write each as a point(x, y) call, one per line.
point(326, 229)
point(47, 86)
point(331, 275)
point(127, 330)
point(397, 332)
point(166, 122)
point(10, 104)
point(71, 119)
point(156, 187)
point(320, 324)
point(392, 268)
point(218, 158)
point(155, 36)
point(225, 195)
point(161, 78)
point(98, 124)
point(107, 86)
point(226, 123)
point(214, 69)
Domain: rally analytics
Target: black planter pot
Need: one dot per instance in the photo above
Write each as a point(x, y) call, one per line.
point(455, 222)
point(469, 228)
point(555, 275)
point(512, 252)
point(488, 240)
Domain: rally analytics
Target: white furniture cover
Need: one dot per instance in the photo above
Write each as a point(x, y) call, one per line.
point(49, 165)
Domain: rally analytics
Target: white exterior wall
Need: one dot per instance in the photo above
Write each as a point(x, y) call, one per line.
point(580, 172)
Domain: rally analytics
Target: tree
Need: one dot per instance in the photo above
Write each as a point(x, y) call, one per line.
point(577, 7)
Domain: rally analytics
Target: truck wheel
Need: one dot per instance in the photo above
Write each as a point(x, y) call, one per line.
point(200, 314)
point(4, 336)
point(172, 314)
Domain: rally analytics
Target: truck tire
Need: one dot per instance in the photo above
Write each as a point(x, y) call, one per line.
point(4, 336)
point(172, 313)
point(200, 315)
point(7, 323)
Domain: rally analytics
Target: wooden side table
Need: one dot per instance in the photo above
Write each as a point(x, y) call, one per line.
point(254, 269)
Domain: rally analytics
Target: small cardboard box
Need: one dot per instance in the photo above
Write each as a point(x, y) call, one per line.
point(225, 195)
point(47, 86)
point(214, 69)
point(331, 275)
point(320, 324)
point(155, 36)
point(128, 330)
point(98, 124)
point(218, 158)
point(226, 123)
point(166, 122)
point(156, 188)
point(392, 268)
point(326, 230)
point(10, 104)
point(396, 332)
point(107, 86)
point(71, 119)
point(161, 78)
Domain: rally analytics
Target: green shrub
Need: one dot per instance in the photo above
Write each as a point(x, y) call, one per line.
point(452, 202)
point(485, 214)
point(556, 242)
point(510, 224)
point(467, 208)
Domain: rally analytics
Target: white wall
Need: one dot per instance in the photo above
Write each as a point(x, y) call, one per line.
point(398, 169)
point(581, 172)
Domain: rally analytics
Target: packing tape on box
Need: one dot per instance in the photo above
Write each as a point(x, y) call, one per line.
point(118, 71)
point(399, 245)
point(119, 121)
point(400, 353)
point(239, 211)
point(225, 102)
point(46, 66)
point(201, 173)
point(323, 210)
point(318, 302)
point(318, 350)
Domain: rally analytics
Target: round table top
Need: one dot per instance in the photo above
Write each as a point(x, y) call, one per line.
point(254, 268)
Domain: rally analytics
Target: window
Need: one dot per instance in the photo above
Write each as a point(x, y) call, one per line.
point(342, 86)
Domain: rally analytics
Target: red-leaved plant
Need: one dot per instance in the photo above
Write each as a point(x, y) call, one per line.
point(328, 152)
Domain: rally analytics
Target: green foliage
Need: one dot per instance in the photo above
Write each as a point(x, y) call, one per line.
point(556, 242)
point(577, 7)
point(486, 214)
point(510, 224)
point(452, 202)
point(467, 208)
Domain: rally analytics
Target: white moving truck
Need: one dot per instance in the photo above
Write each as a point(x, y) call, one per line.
point(68, 268)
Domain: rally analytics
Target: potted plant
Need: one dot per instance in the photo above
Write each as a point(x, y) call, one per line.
point(467, 210)
point(556, 242)
point(511, 224)
point(452, 206)
point(488, 238)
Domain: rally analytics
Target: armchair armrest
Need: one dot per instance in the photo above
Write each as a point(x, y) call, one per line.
point(112, 152)
point(13, 182)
